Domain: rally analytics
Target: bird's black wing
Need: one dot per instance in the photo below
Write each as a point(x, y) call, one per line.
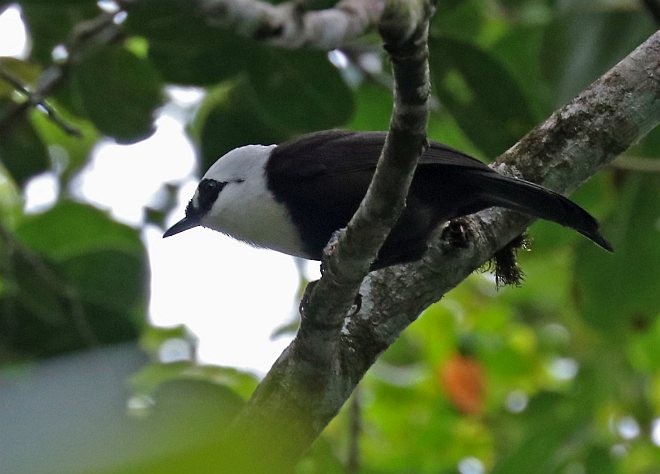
point(321, 178)
point(343, 151)
point(330, 152)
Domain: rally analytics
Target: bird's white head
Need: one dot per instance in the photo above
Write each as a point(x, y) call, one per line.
point(233, 198)
point(234, 173)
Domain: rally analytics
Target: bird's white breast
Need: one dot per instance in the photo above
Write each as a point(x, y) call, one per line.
point(247, 210)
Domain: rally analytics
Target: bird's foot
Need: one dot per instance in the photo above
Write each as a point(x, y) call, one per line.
point(456, 233)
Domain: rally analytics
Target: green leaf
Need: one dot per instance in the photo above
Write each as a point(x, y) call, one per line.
point(231, 117)
point(620, 291)
point(459, 18)
point(648, 147)
point(21, 150)
point(112, 279)
point(480, 93)
point(73, 151)
point(43, 314)
point(70, 230)
point(601, 460)
point(76, 278)
point(24, 71)
point(518, 49)
point(147, 380)
point(580, 46)
point(11, 202)
point(300, 91)
point(373, 107)
point(120, 93)
point(552, 423)
point(50, 23)
point(183, 47)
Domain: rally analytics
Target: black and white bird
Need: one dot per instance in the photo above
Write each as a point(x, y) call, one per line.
point(292, 197)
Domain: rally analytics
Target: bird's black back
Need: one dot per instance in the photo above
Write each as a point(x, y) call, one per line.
point(322, 178)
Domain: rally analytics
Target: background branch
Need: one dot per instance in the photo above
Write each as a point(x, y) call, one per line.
point(87, 36)
point(288, 25)
point(36, 100)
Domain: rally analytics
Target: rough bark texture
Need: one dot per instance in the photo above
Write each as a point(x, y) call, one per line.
point(316, 374)
point(561, 153)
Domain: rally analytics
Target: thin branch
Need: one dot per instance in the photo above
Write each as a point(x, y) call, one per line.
point(637, 163)
point(86, 37)
point(40, 104)
point(348, 258)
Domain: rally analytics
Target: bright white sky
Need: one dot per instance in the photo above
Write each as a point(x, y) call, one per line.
point(230, 295)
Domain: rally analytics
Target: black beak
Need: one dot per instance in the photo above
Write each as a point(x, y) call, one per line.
point(184, 224)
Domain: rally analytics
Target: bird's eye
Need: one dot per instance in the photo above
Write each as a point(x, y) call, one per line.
point(209, 186)
point(207, 193)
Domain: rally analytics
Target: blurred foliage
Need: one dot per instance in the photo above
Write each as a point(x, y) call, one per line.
point(560, 375)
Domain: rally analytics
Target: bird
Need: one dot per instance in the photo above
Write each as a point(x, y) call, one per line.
point(293, 196)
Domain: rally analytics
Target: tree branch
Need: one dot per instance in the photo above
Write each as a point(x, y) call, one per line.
point(569, 147)
point(39, 103)
point(288, 25)
point(87, 36)
point(298, 396)
point(309, 369)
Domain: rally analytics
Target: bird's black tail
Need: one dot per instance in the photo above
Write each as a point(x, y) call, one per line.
point(535, 200)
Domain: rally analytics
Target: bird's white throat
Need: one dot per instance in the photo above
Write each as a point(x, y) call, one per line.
point(245, 208)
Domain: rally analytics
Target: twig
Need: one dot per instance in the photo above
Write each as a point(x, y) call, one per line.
point(40, 104)
point(87, 36)
point(637, 163)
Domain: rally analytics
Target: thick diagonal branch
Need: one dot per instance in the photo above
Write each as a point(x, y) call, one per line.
point(572, 145)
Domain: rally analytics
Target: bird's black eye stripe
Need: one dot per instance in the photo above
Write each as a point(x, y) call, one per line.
point(190, 209)
point(207, 193)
